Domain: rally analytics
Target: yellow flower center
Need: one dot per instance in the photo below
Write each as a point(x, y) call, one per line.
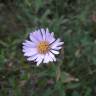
point(43, 47)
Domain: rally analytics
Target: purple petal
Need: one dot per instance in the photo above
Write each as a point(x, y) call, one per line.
point(46, 58)
point(43, 33)
point(52, 34)
point(32, 58)
point(29, 51)
point(29, 43)
point(49, 37)
point(55, 52)
point(39, 59)
point(56, 48)
point(33, 37)
point(56, 44)
point(37, 34)
point(52, 56)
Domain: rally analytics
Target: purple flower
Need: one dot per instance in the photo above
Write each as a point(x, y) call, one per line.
point(42, 46)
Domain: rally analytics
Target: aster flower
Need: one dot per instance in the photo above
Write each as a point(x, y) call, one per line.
point(42, 46)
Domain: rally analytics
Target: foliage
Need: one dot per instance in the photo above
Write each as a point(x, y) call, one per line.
point(74, 21)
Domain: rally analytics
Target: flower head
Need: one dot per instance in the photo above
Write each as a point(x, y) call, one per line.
point(42, 46)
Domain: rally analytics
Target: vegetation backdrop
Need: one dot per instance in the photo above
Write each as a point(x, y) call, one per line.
point(74, 73)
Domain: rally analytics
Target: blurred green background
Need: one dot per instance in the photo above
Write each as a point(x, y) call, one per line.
point(74, 73)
